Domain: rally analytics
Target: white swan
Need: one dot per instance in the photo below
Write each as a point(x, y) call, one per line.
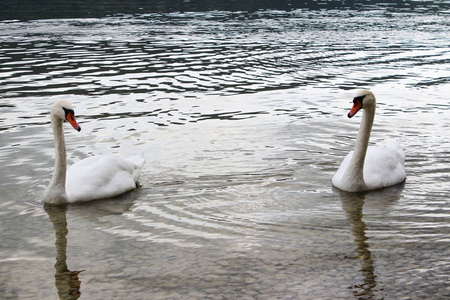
point(369, 168)
point(92, 178)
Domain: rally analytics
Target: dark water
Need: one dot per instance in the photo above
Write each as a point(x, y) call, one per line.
point(57, 9)
point(242, 119)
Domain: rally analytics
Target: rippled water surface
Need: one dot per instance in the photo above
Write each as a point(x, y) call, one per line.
point(242, 119)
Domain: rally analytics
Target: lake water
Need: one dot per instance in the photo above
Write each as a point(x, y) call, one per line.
point(242, 119)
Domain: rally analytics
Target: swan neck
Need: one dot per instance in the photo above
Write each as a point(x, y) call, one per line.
point(362, 142)
point(59, 174)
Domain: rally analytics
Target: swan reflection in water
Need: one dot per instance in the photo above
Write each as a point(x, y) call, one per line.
point(353, 203)
point(67, 282)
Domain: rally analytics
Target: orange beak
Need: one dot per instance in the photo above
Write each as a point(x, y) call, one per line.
point(356, 107)
point(71, 119)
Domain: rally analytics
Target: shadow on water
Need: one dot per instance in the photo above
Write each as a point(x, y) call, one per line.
point(95, 210)
point(353, 204)
point(67, 282)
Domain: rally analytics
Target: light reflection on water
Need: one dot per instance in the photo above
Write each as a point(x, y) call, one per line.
point(242, 120)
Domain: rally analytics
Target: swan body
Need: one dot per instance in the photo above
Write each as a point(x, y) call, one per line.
point(369, 168)
point(92, 178)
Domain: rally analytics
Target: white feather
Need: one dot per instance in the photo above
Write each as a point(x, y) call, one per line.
point(371, 167)
point(92, 178)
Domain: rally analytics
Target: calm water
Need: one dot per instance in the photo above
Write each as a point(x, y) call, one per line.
point(242, 119)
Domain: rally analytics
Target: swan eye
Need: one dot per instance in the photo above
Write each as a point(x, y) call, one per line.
point(68, 111)
point(358, 99)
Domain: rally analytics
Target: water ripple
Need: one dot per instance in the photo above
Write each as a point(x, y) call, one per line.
point(223, 64)
point(242, 118)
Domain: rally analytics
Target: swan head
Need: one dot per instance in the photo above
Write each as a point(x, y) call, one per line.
point(63, 110)
point(363, 99)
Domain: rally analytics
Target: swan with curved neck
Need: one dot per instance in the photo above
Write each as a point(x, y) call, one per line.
point(369, 168)
point(92, 178)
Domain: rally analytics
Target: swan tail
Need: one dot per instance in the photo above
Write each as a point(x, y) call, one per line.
point(400, 148)
point(138, 162)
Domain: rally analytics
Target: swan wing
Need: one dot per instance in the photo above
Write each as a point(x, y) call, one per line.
point(384, 166)
point(103, 176)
